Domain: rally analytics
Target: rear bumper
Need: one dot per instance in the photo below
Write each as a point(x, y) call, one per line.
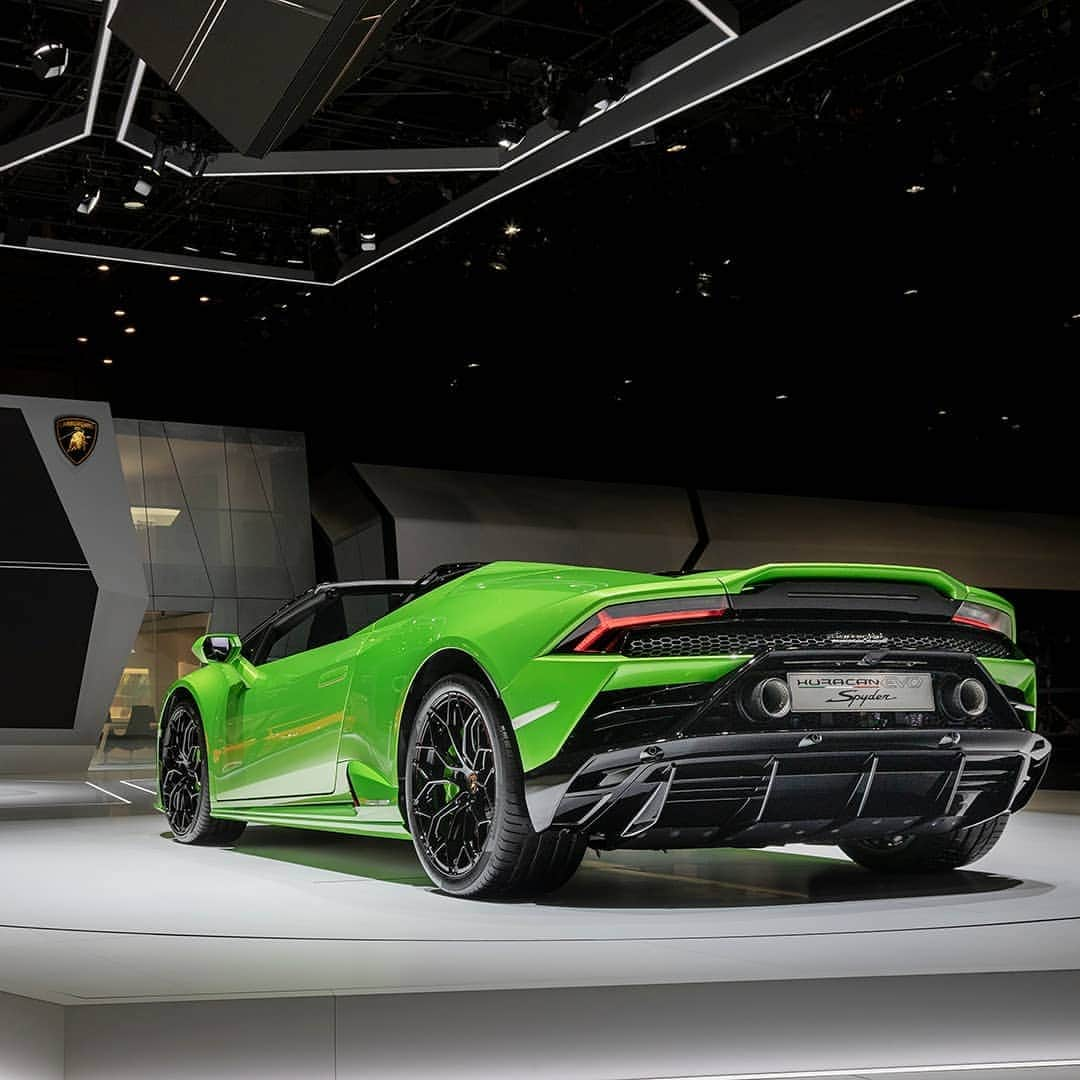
point(750, 790)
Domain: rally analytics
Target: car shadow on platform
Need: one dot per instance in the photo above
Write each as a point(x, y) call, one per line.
point(716, 878)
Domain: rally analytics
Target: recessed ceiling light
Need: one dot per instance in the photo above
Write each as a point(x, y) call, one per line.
point(204, 299)
point(231, 254)
point(295, 262)
point(174, 277)
point(911, 292)
point(1077, 315)
point(942, 412)
point(107, 360)
point(472, 364)
point(191, 248)
point(511, 229)
point(320, 230)
point(676, 147)
point(129, 329)
point(133, 203)
point(1005, 418)
point(781, 397)
point(82, 340)
point(915, 189)
point(103, 267)
point(119, 312)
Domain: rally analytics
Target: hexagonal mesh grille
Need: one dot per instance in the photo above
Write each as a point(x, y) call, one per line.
point(720, 641)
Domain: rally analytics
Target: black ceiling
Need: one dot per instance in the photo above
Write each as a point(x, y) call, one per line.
point(855, 279)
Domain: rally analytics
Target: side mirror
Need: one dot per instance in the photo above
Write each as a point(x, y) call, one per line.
point(217, 648)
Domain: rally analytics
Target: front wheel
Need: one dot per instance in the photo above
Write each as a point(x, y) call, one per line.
point(465, 801)
point(927, 854)
point(185, 783)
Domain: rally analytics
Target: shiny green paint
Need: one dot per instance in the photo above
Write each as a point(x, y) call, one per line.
point(313, 739)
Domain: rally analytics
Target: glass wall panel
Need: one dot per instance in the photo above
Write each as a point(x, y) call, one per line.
point(162, 654)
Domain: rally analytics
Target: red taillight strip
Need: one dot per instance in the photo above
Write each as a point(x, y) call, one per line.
point(975, 622)
point(605, 623)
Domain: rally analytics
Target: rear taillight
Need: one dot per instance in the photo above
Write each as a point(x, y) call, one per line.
point(604, 632)
point(985, 618)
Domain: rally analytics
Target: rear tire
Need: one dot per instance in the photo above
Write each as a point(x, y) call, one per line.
point(465, 801)
point(928, 854)
point(185, 784)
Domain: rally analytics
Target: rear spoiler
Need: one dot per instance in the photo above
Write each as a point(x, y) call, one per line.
point(944, 583)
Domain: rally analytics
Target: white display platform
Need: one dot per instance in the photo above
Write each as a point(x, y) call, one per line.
point(647, 964)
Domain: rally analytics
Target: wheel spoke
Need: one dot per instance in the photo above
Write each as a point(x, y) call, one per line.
point(453, 784)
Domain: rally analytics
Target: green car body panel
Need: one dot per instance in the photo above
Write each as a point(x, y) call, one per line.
point(314, 739)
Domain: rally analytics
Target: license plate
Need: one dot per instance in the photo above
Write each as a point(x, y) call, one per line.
point(864, 691)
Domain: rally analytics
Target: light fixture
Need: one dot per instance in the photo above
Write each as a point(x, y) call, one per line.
point(915, 189)
point(942, 412)
point(119, 312)
point(174, 277)
point(498, 261)
point(204, 299)
point(508, 134)
point(704, 284)
point(295, 262)
point(191, 249)
point(781, 397)
point(229, 252)
point(1077, 315)
point(144, 517)
point(606, 92)
point(911, 292)
point(50, 59)
point(368, 238)
point(676, 148)
point(472, 364)
point(133, 202)
point(107, 360)
point(87, 197)
point(321, 230)
point(511, 229)
point(144, 182)
point(82, 340)
point(129, 329)
point(103, 267)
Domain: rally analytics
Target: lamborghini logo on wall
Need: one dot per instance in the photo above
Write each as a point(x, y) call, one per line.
point(77, 437)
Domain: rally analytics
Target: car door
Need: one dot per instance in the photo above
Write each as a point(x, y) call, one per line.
point(282, 733)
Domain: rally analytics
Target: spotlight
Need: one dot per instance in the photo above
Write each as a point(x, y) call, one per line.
point(915, 189)
point(321, 230)
point(174, 277)
point(49, 60)
point(200, 159)
point(911, 292)
point(82, 340)
point(498, 261)
point(566, 109)
point(157, 162)
point(368, 238)
point(704, 283)
point(103, 267)
point(511, 229)
point(107, 360)
point(129, 329)
point(133, 202)
point(508, 134)
point(87, 197)
point(676, 147)
point(144, 182)
point(606, 92)
point(204, 299)
point(119, 313)
point(191, 249)
point(781, 397)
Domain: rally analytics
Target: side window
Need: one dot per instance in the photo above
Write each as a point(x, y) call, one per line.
point(293, 641)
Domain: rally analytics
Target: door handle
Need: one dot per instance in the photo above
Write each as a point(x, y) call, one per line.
point(332, 677)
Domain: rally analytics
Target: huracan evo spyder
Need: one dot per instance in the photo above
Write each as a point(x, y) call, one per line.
point(507, 716)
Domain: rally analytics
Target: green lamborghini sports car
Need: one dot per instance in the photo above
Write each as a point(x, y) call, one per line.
point(507, 716)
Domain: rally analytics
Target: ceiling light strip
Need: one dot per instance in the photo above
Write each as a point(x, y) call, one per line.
point(162, 260)
point(720, 23)
point(404, 244)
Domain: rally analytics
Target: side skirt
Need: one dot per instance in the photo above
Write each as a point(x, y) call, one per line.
point(337, 817)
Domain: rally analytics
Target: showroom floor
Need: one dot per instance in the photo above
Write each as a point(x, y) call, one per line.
point(100, 908)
